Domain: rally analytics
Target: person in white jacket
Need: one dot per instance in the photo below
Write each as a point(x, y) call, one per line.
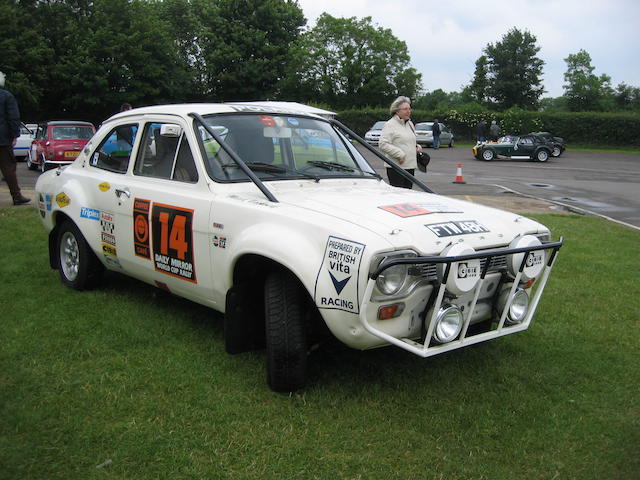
point(398, 142)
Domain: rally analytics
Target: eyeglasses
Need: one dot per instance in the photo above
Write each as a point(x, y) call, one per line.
point(406, 108)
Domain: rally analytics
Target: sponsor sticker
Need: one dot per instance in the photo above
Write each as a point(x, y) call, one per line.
point(463, 227)
point(141, 240)
point(337, 284)
point(220, 241)
point(104, 187)
point(48, 200)
point(90, 213)
point(62, 200)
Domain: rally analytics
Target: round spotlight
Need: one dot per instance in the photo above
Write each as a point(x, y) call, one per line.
point(518, 308)
point(464, 275)
point(535, 260)
point(448, 324)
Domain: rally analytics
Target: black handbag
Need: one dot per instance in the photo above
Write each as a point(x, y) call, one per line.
point(423, 160)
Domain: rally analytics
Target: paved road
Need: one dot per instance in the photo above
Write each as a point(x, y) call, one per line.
point(604, 184)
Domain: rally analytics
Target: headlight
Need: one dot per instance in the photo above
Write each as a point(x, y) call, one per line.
point(448, 324)
point(535, 260)
point(392, 279)
point(518, 308)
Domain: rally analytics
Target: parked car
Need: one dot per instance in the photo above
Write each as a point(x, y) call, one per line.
point(558, 144)
point(372, 137)
point(424, 134)
point(272, 217)
point(58, 143)
point(529, 147)
point(23, 143)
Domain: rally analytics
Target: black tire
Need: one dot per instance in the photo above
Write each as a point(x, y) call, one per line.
point(78, 266)
point(451, 143)
point(542, 155)
point(30, 164)
point(285, 331)
point(488, 155)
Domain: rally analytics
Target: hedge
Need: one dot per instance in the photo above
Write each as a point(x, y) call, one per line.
point(591, 128)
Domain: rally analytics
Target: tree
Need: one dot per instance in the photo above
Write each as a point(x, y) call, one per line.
point(479, 87)
point(584, 90)
point(346, 62)
point(627, 97)
point(514, 71)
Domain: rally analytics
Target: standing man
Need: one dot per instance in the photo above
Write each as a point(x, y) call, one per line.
point(480, 131)
point(494, 131)
point(436, 133)
point(9, 132)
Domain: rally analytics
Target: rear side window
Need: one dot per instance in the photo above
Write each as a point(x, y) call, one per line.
point(114, 152)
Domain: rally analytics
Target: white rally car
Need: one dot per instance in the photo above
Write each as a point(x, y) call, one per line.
point(273, 217)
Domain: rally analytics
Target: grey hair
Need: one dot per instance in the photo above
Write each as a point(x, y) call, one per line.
point(2, 77)
point(395, 106)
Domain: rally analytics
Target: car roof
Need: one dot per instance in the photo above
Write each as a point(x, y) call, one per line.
point(184, 109)
point(68, 122)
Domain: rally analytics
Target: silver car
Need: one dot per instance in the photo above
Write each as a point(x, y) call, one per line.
point(373, 135)
point(424, 134)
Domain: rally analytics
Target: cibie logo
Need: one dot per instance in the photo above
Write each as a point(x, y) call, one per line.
point(465, 270)
point(534, 258)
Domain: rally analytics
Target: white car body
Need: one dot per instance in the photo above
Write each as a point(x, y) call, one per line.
point(222, 242)
point(372, 137)
point(23, 143)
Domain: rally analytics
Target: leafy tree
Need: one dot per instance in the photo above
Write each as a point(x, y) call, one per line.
point(584, 90)
point(348, 62)
point(514, 71)
point(479, 87)
point(627, 97)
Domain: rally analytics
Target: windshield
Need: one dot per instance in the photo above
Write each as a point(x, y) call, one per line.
point(278, 147)
point(378, 126)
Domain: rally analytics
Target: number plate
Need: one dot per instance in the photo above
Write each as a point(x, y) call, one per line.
point(71, 154)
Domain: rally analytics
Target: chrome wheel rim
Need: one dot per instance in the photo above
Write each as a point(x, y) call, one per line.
point(69, 256)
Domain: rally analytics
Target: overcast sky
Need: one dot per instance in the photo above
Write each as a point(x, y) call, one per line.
point(446, 38)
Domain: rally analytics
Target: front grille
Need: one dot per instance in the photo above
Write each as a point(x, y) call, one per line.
point(430, 272)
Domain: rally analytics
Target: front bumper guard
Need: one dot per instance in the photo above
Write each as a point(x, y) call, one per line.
point(426, 349)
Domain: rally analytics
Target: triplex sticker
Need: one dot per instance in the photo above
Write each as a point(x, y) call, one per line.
point(462, 227)
point(337, 281)
point(90, 213)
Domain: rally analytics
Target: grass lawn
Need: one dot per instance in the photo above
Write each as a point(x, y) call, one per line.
point(128, 382)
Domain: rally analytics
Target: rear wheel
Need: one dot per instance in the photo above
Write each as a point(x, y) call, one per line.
point(451, 143)
point(556, 152)
point(285, 331)
point(79, 268)
point(488, 155)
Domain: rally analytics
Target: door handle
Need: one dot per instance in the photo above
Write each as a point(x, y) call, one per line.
point(121, 192)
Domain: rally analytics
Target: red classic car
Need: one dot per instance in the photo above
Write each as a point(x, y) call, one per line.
point(58, 143)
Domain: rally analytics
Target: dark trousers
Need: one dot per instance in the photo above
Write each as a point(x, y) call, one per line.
point(8, 167)
point(397, 180)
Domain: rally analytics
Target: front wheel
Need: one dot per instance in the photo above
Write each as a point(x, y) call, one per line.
point(488, 155)
point(78, 266)
point(285, 331)
point(30, 164)
point(542, 156)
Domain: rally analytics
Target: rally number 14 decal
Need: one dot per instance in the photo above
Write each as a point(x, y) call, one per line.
point(172, 239)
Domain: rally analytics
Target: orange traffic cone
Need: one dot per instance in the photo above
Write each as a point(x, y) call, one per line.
point(459, 174)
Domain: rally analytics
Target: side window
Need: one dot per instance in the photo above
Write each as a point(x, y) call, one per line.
point(114, 152)
point(165, 153)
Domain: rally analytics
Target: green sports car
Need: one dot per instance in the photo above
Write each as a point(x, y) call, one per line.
point(526, 147)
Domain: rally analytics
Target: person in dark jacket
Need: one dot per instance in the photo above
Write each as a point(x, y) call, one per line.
point(436, 134)
point(481, 134)
point(9, 132)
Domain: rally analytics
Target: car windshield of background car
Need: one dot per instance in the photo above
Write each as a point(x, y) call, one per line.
point(279, 147)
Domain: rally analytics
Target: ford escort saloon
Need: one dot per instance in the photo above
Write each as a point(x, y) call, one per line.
point(273, 217)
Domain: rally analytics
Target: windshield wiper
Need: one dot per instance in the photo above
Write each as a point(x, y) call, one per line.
point(331, 165)
point(271, 168)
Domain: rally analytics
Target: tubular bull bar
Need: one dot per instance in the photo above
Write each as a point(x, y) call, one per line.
point(426, 349)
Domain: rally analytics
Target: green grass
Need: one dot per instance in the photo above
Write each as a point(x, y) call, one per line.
point(136, 382)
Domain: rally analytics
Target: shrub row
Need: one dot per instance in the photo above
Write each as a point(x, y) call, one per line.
point(592, 128)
